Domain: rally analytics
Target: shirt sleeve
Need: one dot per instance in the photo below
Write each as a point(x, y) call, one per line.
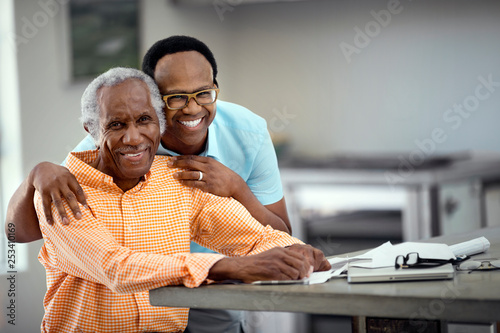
point(264, 180)
point(225, 226)
point(86, 249)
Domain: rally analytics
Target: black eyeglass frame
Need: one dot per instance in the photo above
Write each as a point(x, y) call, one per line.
point(424, 262)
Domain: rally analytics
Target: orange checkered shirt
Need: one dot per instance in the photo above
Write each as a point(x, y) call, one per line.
point(100, 268)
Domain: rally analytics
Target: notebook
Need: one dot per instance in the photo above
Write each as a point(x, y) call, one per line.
point(391, 274)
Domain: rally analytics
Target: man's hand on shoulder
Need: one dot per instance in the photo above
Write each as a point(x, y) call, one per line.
point(55, 183)
point(216, 178)
point(292, 263)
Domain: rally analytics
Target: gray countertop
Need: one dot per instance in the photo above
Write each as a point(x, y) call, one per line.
point(468, 297)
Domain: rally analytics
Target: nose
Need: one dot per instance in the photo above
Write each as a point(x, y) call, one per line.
point(191, 107)
point(132, 136)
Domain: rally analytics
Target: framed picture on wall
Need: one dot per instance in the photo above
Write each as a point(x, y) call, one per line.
point(103, 34)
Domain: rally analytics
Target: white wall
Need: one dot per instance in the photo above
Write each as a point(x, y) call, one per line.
point(395, 91)
point(49, 104)
point(283, 61)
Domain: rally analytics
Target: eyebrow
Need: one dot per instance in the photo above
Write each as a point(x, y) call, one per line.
point(172, 92)
point(146, 112)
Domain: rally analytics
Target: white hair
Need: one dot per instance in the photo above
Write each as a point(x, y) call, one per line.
point(113, 77)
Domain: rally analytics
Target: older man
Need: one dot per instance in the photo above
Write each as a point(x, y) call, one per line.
point(226, 151)
point(134, 235)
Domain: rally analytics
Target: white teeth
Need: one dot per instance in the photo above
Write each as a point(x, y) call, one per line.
point(133, 155)
point(191, 123)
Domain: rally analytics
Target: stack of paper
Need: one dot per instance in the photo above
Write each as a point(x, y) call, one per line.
point(385, 256)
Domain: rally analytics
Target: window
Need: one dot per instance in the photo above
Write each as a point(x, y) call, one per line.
point(104, 34)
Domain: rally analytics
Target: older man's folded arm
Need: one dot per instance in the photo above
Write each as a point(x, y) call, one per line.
point(87, 250)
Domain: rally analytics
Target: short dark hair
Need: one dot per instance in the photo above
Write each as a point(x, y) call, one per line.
point(175, 44)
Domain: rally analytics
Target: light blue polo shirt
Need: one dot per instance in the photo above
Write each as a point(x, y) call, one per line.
point(239, 139)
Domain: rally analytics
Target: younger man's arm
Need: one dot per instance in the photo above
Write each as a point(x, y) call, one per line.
point(21, 215)
point(55, 183)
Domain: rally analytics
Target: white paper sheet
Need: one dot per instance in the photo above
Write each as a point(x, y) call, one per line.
point(339, 266)
point(385, 256)
point(474, 246)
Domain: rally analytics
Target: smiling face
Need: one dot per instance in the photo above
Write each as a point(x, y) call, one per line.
point(129, 132)
point(187, 128)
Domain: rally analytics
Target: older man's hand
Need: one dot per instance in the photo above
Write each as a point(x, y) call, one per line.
point(291, 263)
point(315, 257)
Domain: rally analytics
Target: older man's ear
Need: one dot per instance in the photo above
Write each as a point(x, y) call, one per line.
point(87, 130)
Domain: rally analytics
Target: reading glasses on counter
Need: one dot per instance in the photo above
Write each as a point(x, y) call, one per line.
point(413, 260)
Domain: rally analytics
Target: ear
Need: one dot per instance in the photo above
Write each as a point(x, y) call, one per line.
point(87, 130)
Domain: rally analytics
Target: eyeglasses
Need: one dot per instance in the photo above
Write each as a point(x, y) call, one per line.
point(180, 101)
point(479, 265)
point(413, 260)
